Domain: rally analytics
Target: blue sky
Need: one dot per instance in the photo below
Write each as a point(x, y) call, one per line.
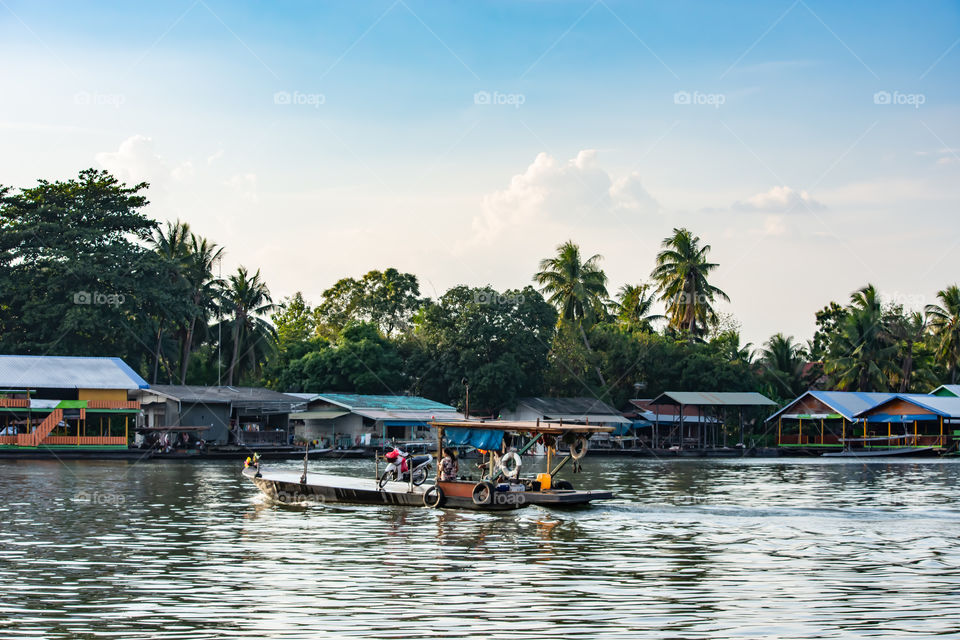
point(463, 141)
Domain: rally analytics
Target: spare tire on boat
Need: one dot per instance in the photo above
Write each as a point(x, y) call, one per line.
point(433, 497)
point(482, 493)
point(579, 448)
point(562, 485)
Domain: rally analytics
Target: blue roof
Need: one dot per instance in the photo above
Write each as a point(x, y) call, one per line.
point(947, 390)
point(945, 406)
point(391, 403)
point(67, 372)
point(846, 403)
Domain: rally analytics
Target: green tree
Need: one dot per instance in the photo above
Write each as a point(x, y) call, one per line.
point(75, 275)
point(495, 342)
point(783, 362)
point(944, 319)
point(681, 274)
point(576, 287)
point(388, 299)
point(634, 307)
point(247, 300)
point(861, 353)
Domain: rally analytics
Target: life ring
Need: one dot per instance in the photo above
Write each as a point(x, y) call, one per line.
point(482, 493)
point(579, 448)
point(433, 497)
point(510, 464)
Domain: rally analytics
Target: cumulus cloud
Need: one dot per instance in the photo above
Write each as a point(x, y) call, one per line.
point(779, 200)
point(576, 191)
point(245, 184)
point(137, 160)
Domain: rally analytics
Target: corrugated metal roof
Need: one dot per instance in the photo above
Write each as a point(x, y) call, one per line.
point(402, 403)
point(556, 407)
point(67, 372)
point(446, 413)
point(320, 414)
point(591, 418)
point(714, 399)
point(254, 398)
point(946, 406)
point(846, 403)
point(947, 390)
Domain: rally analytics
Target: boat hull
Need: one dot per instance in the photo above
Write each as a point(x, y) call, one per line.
point(286, 488)
point(881, 453)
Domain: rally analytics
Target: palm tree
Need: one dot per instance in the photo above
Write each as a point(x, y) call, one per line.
point(634, 307)
point(906, 331)
point(576, 287)
point(205, 292)
point(681, 275)
point(862, 352)
point(247, 299)
point(944, 319)
point(172, 244)
point(783, 359)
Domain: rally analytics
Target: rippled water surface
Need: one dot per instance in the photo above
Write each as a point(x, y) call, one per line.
point(689, 549)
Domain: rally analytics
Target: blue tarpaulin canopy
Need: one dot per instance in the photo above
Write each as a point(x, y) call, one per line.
point(477, 438)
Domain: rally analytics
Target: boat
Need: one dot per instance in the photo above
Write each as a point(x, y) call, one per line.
point(499, 488)
point(500, 478)
point(883, 450)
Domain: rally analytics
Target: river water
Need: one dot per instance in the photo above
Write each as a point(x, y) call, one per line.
point(689, 549)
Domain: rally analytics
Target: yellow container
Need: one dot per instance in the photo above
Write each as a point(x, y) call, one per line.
point(544, 480)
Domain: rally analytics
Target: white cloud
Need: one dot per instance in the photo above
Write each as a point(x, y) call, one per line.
point(137, 160)
point(578, 191)
point(245, 184)
point(779, 200)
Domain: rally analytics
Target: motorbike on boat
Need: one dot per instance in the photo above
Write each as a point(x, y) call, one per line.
point(400, 466)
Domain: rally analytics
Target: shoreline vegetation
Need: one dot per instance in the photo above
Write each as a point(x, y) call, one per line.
point(85, 271)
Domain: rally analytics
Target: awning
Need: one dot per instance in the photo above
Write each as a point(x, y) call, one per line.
point(600, 418)
point(178, 429)
point(477, 438)
point(319, 414)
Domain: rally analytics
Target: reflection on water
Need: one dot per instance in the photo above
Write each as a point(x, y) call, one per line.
point(755, 548)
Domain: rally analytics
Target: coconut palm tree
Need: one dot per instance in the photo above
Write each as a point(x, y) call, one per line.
point(172, 243)
point(681, 275)
point(783, 360)
point(205, 292)
point(634, 307)
point(576, 287)
point(862, 353)
point(944, 319)
point(247, 300)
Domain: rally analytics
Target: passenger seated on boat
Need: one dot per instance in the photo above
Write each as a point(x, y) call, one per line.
point(449, 465)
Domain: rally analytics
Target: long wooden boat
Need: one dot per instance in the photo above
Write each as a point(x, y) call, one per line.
point(877, 453)
point(290, 487)
point(541, 490)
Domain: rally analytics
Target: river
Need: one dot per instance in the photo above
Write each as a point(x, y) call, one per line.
point(781, 548)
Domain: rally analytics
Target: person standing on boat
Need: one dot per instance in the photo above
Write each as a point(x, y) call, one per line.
point(449, 466)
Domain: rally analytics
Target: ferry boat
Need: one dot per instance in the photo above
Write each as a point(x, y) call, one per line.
point(500, 486)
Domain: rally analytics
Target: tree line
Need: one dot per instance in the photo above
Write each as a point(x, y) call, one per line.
point(84, 271)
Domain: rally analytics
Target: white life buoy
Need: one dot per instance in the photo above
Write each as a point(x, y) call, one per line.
point(579, 448)
point(510, 464)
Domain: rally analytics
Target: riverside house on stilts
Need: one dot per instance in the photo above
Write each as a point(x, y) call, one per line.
point(51, 404)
